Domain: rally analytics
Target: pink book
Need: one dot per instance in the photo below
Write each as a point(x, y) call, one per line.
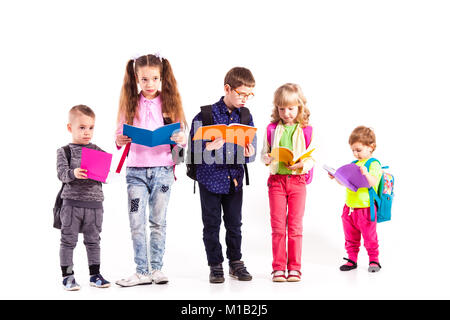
point(96, 162)
point(350, 176)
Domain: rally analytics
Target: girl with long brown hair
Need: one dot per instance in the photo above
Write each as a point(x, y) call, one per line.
point(150, 170)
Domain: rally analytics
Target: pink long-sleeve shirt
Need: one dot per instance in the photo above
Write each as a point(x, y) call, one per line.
point(148, 116)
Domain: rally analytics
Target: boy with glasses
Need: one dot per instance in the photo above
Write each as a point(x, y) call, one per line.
point(220, 174)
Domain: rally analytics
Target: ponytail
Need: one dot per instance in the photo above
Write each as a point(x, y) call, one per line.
point(171, 99)
point(129, 95)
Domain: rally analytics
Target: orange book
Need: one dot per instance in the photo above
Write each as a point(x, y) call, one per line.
point(282, 154)
point(236, 133)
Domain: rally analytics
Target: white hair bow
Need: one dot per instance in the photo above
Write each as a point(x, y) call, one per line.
point(156, 54)
point(159, 55)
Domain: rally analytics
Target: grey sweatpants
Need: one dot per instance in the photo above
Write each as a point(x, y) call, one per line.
point(76, 220)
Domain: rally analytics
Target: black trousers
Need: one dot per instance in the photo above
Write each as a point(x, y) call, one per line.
point(212, 205)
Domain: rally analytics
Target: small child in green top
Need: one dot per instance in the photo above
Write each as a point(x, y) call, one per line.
point(356, 214)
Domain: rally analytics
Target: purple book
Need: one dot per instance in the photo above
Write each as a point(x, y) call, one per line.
point(350, 176)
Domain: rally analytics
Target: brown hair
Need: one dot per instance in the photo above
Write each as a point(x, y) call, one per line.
point(363, 135)
point(291, 94)
point(170, 97)
point(239, 76)
point(81, 108)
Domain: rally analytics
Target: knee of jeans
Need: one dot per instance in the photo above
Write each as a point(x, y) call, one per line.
point(295, 231)
point(279, 231)
point(211, 229)
point(158, 224)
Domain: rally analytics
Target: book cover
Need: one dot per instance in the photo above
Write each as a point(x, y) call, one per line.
point(236, 133)
point(151, 138)
point(350, 176)
point(97, 163)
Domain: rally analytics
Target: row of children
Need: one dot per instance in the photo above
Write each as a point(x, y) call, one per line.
point(149, 99)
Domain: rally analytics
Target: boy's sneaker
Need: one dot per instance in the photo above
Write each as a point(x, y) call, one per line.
point(238, 271)
point(134, 280)
point(70, 284)
point(278, 276)
point(216, 274)
point(159, 277)
point(98, 281)
point(374, 266)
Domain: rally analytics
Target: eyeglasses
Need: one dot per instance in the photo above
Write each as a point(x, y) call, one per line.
point(243, 95)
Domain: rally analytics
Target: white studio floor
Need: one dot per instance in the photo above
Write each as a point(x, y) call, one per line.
point(400, 278)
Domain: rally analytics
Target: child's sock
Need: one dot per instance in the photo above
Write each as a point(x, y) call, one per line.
point(67, 271)
point(94, 269)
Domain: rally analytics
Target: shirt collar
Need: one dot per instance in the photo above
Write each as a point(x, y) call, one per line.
point(223, 107)
point(156, 100)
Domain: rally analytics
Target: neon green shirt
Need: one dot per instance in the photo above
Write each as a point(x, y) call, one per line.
point(286, 141)
point(360, 198)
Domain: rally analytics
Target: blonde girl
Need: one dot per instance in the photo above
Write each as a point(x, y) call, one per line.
point(289, 128)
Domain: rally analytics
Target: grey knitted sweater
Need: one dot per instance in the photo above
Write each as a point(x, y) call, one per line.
point(77, 189)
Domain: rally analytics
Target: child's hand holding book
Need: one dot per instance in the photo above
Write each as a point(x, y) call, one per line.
point(297, 166)
point(267, 159)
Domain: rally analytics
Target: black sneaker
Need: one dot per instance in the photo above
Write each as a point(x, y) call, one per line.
point(216, 274)
point(98, 281)
point(238, 271)
point(346, 267)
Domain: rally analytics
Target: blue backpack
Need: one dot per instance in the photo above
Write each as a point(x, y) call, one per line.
point(383, 198)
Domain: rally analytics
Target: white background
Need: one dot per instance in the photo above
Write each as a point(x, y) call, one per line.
point(383, 64)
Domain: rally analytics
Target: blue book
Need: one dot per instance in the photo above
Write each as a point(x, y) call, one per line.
point(151, 138)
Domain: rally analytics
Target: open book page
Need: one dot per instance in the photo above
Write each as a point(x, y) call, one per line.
point(330, 170)
point(282, 154)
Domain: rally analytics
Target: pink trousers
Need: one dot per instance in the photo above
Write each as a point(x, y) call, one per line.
point(357, 222)
point(287, 195)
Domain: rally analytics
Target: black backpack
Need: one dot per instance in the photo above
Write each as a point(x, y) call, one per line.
point(59, 201)
point(207, 120)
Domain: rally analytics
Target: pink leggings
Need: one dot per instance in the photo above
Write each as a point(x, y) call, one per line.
point(357, 222)
point(287, 195)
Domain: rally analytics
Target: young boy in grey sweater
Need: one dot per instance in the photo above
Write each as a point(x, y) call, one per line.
point(82, 209)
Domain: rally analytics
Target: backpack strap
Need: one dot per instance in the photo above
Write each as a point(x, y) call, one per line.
point(124, 155)
point(307, 133)
point(270, 133)
point(372, 194)
point(244, 115)
point(207, 117)
point(207, 120)
point(177, 153)
point(66, 149)
point(68, 153)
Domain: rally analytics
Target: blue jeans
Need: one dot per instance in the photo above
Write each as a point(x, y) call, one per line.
point(152, 186)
